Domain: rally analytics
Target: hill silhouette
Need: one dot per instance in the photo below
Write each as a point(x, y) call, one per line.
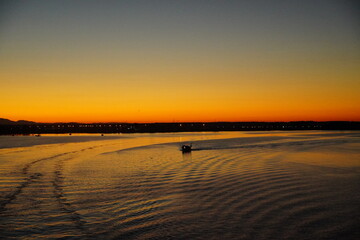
point(4, 121)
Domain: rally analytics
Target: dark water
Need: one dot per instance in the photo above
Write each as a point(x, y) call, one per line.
point(282, 185)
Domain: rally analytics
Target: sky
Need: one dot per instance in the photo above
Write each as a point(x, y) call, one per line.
point(179, 61)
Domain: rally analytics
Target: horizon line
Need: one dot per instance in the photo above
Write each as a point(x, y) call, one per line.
point(125, 122)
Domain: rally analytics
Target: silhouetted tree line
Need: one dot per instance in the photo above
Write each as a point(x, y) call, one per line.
point(172, 127)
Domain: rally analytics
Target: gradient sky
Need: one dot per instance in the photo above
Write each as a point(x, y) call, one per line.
point(165, 61)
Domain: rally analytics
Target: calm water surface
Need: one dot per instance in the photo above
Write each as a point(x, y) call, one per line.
point(248, 185)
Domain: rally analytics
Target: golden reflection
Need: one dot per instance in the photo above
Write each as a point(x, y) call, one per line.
point(325, 157)
point(141, 180)
point(187, 156)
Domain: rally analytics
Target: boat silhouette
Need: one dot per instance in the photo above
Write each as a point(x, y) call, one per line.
point(186, 148)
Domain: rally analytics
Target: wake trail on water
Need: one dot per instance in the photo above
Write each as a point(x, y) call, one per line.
point(229, 188)
point(274, 144)
point(41, 184)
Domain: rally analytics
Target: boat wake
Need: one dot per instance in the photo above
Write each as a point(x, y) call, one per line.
point(235, 188)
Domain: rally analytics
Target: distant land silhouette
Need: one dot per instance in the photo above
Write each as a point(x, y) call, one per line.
point(4, 121)
point(8, 127)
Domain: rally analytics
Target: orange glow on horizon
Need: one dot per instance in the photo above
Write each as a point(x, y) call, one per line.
point(225, 117)
point(195, 66)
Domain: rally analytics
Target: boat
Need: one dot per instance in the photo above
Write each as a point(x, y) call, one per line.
point(186, 148)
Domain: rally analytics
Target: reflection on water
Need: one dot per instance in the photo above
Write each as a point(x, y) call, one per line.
point(186, 156)
point(268, 185)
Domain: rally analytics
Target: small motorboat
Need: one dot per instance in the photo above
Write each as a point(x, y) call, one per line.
point(186, 148)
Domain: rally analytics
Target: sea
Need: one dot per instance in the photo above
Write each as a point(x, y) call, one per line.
point(232, 185)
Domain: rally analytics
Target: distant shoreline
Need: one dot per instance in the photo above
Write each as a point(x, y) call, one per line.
point(43, 128)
